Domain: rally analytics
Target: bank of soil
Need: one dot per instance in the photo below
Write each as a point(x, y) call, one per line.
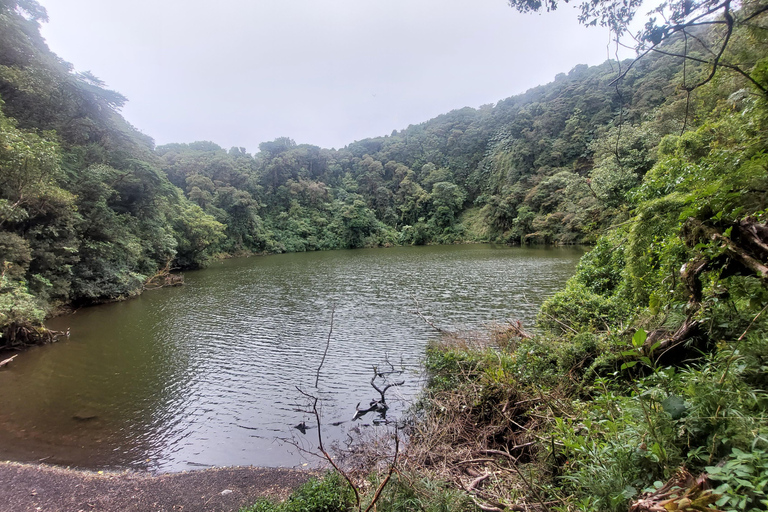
point(43, 488)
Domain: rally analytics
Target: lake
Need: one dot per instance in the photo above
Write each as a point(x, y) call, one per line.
point(207, 374)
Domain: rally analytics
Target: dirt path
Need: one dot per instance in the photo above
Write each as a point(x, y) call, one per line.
point(42, 488)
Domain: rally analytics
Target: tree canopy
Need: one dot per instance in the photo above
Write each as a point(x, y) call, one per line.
point(672, 20)
point(90, 209)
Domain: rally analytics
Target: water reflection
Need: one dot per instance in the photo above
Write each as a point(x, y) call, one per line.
point(206, 374)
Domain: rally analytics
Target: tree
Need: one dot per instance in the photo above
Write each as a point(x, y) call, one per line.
point(679, 19)
point(447, 200)
point(30, 9)
point(30, 165)
point(359, 222)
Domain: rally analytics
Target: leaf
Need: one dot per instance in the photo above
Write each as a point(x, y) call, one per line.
point(629, 492)
point(722, 501)
point(639, 338)
point(674, 406)
point(654, 304)
point(628, 365)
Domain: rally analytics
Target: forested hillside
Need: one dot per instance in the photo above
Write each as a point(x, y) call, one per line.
point(86, 213)
point(537, 168)
point(90, 209)
point(645, 386)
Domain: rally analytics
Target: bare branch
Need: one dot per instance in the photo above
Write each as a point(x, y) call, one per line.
point(758, 12)
point(377, 494)
point(477, 481)
point(327, 344)
point(314, 400)
point(418, 312)
point(740, 337)
point(380, 406)
point(322, 449)
point(729, 23)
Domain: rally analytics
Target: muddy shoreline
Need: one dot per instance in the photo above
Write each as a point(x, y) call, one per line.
point(46, 488)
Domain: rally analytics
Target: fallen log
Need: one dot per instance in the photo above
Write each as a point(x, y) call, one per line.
point(742, 251)
point(745, 257)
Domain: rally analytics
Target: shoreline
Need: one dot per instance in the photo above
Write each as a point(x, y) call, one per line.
point(42, 487)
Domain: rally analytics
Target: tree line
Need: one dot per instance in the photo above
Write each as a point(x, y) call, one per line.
point(90, 208)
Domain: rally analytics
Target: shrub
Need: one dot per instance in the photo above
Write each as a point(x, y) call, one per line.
point(577, 309)
point(329, 494)
point(409, 492)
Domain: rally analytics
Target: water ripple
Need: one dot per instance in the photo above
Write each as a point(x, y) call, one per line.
point(207, 374)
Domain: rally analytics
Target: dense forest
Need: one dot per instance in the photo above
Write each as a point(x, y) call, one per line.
point(90, 209)
point(644, 386)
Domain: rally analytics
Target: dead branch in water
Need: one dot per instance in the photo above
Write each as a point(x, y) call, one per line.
point(18, 336)
point(327, 344)
point(6, 361)
point(420, 315)
point(164, 278)
point(314, 401)
point(379, 406)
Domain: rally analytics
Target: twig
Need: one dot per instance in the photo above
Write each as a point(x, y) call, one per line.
point(322, 448)
point(474, 461)
point(384, 482)
point(740, 337)
point(314, 401)
point(486, 508)
point(558, 321)
point(489, 451)
point(382, 391)
point(531, 487)
point(418, 312)
point(477, 481)
point(551, 317)
point(327, 344)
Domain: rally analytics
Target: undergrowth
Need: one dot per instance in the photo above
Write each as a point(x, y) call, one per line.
point(644, 388)
point(329, 494)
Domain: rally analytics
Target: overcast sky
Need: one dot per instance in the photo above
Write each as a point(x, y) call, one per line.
point(323, 72)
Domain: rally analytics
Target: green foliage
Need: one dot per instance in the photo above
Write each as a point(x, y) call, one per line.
point(544, 167)
point(744, 477)
point(85, 212)
point(17, 305)
point(601, 269)
point(329, 494)
point(197, 234)
point(88, 209)
point(577, 308)
point(449, 368)
point(410, 492)
point(403, 493)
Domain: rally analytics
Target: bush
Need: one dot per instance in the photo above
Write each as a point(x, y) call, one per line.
point(744, 478)
point(408, 493)
point(578, 309)
point(329, 494)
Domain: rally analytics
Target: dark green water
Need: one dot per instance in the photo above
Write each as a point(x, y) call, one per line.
point(206, 374)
